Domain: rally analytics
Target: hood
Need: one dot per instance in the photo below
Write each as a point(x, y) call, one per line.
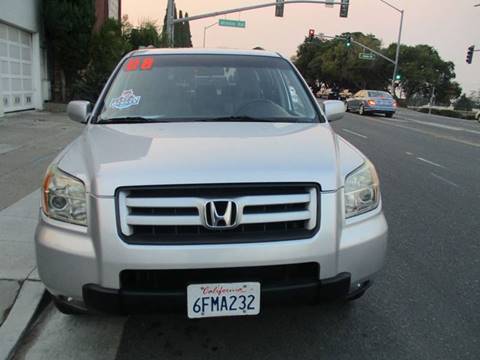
point(106, 157)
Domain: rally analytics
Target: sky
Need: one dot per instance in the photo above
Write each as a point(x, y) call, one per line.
point(450, 26)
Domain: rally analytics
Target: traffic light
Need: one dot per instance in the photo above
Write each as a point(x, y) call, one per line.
point(398, 77)
point(470, 52)
point(311, 34)
point(279, 8)
point(344, 8)
point(348, 41)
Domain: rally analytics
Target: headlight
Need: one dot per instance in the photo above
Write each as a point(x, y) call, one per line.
point(64, 197)
point(362, 191)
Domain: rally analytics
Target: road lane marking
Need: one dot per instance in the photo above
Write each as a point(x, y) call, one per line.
point(396, 119)
point(439, 136)
point(6, 148)
point(444, 180)
point(447, 127)
point(408, 153)
point(355, 133)
point(441, 126)
point(431, 162)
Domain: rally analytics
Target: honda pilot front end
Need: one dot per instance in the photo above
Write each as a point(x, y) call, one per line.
point(208, 182)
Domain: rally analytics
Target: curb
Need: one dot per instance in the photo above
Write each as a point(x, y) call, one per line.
point(20, 317)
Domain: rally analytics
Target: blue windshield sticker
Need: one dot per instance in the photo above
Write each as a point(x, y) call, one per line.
point(125, 100)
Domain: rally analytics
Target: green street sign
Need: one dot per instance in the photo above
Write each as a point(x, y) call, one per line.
point(367, 56)
point(232, 23)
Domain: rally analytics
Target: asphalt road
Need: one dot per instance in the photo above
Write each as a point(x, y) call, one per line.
point(425, 304)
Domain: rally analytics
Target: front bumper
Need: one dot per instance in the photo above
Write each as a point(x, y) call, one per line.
point(73, 260)
point(114, 301)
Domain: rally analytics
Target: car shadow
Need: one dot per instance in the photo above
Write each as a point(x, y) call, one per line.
point(303, 332)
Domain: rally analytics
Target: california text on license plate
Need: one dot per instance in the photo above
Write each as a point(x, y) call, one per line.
point(228, 299)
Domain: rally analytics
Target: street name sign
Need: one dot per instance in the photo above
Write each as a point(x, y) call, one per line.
point(232, 23)
point(367, 56)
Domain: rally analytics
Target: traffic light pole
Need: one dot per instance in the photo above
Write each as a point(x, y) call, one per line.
point(171, 5)
point(397, 55)
point(379, 54)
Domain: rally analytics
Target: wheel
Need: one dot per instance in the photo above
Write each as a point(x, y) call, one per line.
point(356, 295)
point(67, 309)
point(389, 115)
point(361, 110)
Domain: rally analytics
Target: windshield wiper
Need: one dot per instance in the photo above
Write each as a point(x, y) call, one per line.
point(236, 119)
point(131, 120)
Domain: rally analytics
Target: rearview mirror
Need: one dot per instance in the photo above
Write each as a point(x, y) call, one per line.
point(79, 110)
point(334, 109)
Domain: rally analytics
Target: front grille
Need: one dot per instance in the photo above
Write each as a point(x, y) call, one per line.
point(178, 280)
point(174, 215)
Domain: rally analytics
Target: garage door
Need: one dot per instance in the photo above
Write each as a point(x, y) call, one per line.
point(16, 87)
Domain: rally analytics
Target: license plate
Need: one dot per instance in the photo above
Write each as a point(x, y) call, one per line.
point(226, 299)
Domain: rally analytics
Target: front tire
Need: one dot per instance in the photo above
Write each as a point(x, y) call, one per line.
point(361, 110)
point(67, 309)
point(356, 296)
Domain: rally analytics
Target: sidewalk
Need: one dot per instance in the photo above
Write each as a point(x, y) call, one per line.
point(20, 288)
point(28, 142)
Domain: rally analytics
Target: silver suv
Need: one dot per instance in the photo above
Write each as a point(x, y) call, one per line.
point(208, 182)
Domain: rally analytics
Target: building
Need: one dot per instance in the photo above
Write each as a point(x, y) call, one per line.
point(24, 71)
point(105, 9)
point(23, 75)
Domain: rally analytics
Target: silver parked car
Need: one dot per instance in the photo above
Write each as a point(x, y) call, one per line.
point(372, 101)
point(208, 181)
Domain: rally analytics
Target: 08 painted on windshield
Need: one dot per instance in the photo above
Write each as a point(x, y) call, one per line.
point(176, 88)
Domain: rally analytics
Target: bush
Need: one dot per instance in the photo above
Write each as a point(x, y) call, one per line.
point(449, 113)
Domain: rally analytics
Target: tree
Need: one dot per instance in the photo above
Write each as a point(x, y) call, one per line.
point(464, 103)
point(334, 63)
point(475, 98)
point(144, 35)
point(423, 69)
point(108, 46)
point(182, 35)
point(68, 28)
point(187, 41)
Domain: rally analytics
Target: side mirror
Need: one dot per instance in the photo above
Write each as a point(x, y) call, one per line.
point(334, 109)
point(79, 110)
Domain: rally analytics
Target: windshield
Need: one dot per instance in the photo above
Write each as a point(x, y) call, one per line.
point(207, 88)
point(379, 94)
